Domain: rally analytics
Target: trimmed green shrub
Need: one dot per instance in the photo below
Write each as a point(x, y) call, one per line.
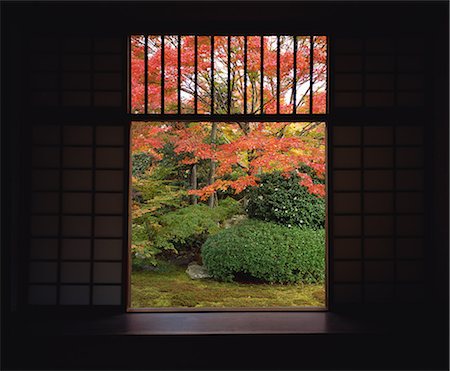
point(266, 251)
point(284, 201)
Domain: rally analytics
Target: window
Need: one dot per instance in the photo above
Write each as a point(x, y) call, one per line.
point(228, 144)
point(234, 75)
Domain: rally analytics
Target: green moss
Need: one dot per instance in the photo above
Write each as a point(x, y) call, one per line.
point(171, 287)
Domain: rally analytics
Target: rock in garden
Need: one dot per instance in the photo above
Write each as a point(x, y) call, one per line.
point(236, 219)
point(197, 272)
point(150, 268)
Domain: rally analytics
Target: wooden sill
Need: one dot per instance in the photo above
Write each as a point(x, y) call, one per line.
point(200, 323)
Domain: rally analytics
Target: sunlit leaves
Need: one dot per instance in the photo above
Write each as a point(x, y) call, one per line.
point(230, 70)
point(241, 153)
point(225, 74)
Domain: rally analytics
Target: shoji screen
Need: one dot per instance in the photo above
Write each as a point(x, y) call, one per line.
point(76, 72)
point(379, 72)
point(77, 190)
point(77, 215)
point(377, 169)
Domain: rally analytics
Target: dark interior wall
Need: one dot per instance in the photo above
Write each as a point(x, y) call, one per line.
point(65, 143)
point(116, 18)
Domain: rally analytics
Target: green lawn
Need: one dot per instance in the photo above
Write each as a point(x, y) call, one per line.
point(172, 287)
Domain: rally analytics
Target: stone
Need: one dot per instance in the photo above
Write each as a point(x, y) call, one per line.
point(150, 268)
point(197, 272)
point(236, 219)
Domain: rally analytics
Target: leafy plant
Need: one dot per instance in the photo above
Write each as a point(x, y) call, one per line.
point(141, 161)
point(190, 226)
point(266, 251)
point(185, 229)
point(154, 192)
point(143, 253)
point(285, 201)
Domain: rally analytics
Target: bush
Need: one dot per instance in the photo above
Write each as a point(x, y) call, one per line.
point(266, 251)
point(140, 163)
point(152, 195)
point(284, 201)
point(143, 253)
point(184, 230)
point(190, 226)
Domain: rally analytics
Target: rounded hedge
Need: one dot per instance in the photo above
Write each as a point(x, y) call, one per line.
point(284, 201)
point(266, 251)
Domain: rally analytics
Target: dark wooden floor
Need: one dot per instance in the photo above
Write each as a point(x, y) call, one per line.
point(227, 341)
point(213, 323)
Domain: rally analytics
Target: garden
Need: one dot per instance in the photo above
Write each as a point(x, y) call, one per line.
point(226, 215)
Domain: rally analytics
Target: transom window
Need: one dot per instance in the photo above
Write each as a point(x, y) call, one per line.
point(228, 75)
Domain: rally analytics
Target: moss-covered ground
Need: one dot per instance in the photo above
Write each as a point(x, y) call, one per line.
point(170, 286)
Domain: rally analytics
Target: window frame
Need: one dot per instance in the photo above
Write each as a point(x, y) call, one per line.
point(266, 118)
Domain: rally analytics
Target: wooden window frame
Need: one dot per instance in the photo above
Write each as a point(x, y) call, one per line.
point(225, 118)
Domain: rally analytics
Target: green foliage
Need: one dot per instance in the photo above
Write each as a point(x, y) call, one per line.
point(266, 251)
point(140, 163)
point(284, 201)
point(155, 193)
point(190, 226)
point(183, 229)
point(142, 252)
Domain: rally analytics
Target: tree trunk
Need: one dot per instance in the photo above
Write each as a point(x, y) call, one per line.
point(212, 167)
point(193, 183)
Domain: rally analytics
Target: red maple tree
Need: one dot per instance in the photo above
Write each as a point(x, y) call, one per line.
point(236, 152)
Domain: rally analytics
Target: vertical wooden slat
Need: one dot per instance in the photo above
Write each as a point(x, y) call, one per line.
point(179, 74)
point(212, 75)
point(162, 73)
point(127, 221)
point(229, 74)
point(327, 77)
point(195, 74)
point(311, 73)
point(245, 75)
point(128, 75)
point(294, 83)
point(146, 74)
point(262, 75)
point(278, 74)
